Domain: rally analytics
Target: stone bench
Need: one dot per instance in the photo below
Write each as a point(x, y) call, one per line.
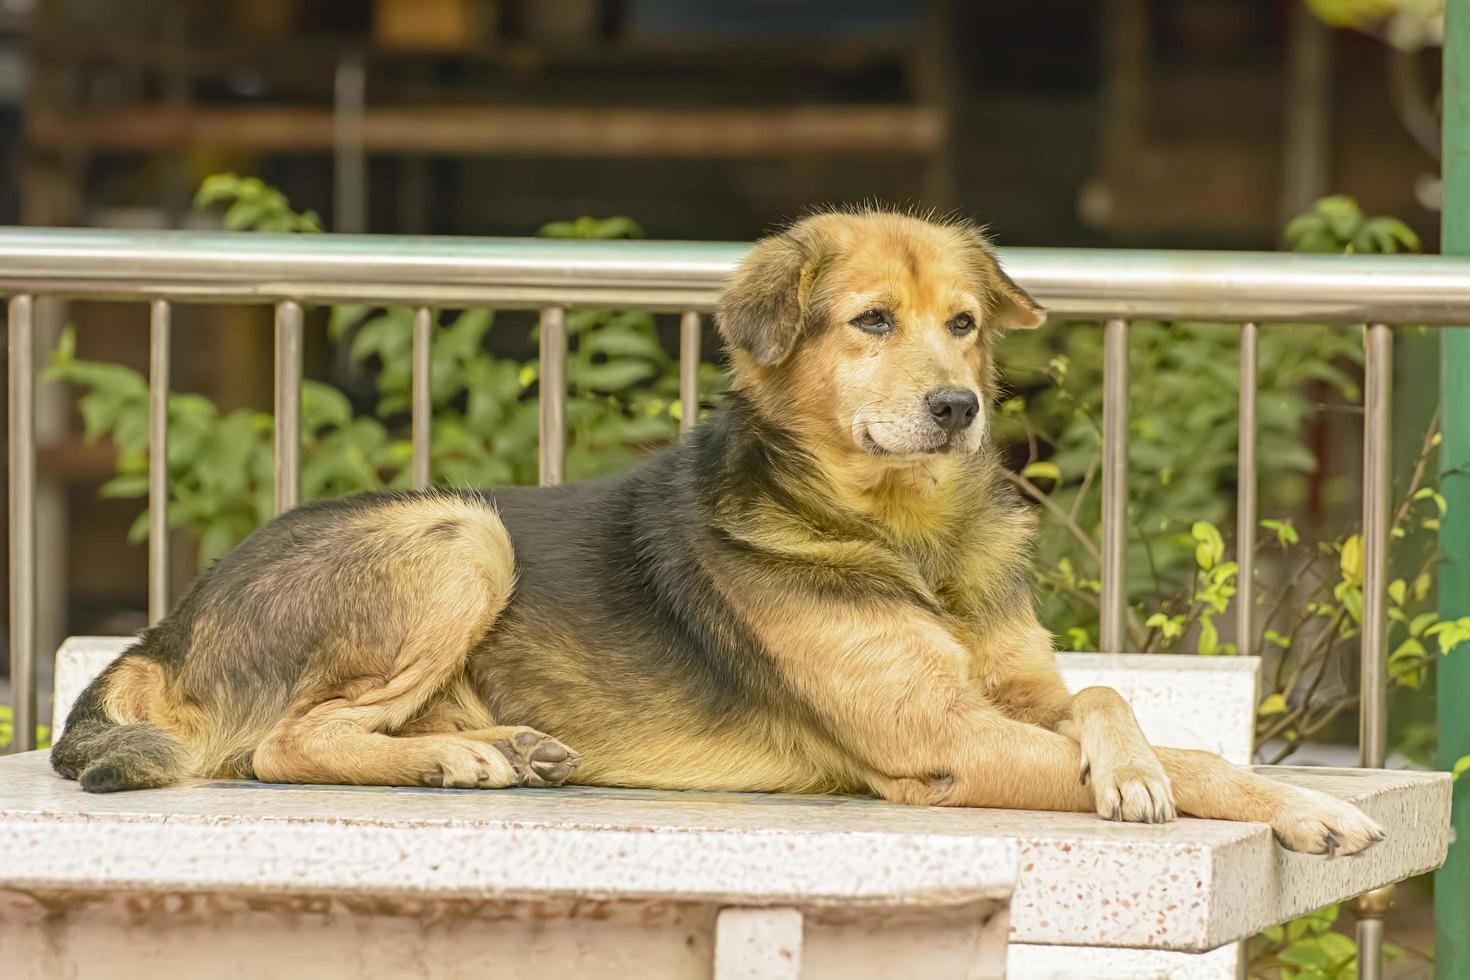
point(845, 887)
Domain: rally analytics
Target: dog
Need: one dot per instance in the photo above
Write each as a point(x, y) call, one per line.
point(825, 589)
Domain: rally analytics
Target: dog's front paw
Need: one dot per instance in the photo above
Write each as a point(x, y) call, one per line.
point(1129, 785)
point(1316, 823)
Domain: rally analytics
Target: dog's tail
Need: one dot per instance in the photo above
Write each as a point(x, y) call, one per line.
point(109, 744)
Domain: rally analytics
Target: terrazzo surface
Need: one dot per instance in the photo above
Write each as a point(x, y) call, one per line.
point(1190, 885)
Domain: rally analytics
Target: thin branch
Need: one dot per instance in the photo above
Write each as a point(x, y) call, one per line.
point(1052, 507)
point(1086, 485)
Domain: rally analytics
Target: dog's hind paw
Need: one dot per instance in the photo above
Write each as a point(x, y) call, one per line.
point(1316, 823)
point(539, 760)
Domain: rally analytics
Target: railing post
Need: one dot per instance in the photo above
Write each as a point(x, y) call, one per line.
point(689, 337)
point(159, 316)
point(1245, 494)
point(1452, 882)
point(1377, 463)
point(1373, 664)
point(22, 369)
point(288, 405)
point(423, 401)
point(553, 398)
point(1114, 598)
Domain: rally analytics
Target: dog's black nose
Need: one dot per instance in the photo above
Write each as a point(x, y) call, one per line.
point(954, 408)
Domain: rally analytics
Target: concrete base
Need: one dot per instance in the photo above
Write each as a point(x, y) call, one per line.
point(1071, 963)
point(127, 936)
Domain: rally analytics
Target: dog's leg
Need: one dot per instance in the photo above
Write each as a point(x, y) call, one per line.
point(1205, 785)
point(488, 758)
point(1129, 782)
point(887, 681)
point(1132, 780)
point(390, 707)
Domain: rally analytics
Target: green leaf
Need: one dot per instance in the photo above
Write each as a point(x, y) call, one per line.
point(1042, 470)
point(1397, 590)
point(1462, 766)
point(1351, 560)
point(623, 343)
point(1209, 545)
point(1286, 534)
point(1272, 704)
point(1209, 637)
point(138, 530)
point(1422, 622)
point(345, 317)
point(1410, 648)
point(614, 376)
point(323, 406)
point(127, 485)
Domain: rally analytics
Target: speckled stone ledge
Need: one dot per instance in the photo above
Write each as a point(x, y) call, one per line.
point(242, 837)
point(1192, 885)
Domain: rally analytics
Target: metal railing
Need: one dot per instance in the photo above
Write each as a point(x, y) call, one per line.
point(164, 268)
point(289, 271)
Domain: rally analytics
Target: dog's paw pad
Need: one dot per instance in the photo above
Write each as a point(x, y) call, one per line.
point(539, 760)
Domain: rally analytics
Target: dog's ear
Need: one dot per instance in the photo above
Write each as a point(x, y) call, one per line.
point(1011, 307)
point(763, 307)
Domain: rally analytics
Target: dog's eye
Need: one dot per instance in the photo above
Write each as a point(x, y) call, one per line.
point(873, 321)
point(962, 324)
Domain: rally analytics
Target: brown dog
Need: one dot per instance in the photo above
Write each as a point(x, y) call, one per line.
point(825, 589)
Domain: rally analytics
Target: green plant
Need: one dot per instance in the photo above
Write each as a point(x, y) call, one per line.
point(621, 401)
point(1309, 948)
point(7, 730)
point(1337, 225)
point(1183, 431)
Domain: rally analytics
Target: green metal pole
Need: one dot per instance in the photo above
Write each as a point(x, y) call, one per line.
point(1452, 883)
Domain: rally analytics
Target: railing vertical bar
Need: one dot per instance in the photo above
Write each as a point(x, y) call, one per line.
point(1370, 945)
point(1114, 598)
point(160, 315)
point(423, 404)
point(1376, 463)
point(22, 520)
point(288, 405)
point(553, 388)
point(690, 329)
point(1377, 460)
point(22, 381)
point(1245, 494)
point(1373, 670)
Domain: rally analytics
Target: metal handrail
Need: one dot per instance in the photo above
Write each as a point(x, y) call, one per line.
point(679, 276)
point(292, 271)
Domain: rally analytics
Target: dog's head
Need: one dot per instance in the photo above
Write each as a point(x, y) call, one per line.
point(870, 334)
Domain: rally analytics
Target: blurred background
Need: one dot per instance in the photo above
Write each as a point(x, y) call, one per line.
point(1310, 125)
point(1150, 123)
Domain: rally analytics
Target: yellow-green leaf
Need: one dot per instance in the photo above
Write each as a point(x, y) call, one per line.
point(1351, 560)
point(1397, 589)
point(1041, 470)
point(1274, 704)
